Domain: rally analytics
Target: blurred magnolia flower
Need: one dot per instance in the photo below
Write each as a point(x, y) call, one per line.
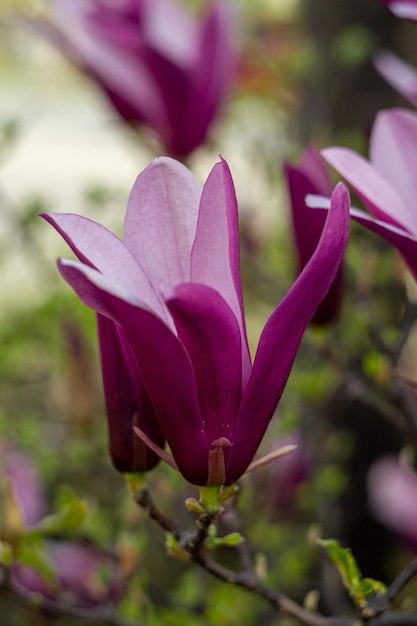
point(84, 575)
point(169, 300)
point(282, 481)
point(386, 183)
point(402, 8)
point(312, 177)
point(392, 495)
point(400, 75)
point(158, 65)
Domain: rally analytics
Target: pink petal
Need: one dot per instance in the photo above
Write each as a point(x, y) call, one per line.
point(392, 490)
point(393, 151)
point(369, 185)
point(406, 9)
point(216, 252)
point(169, 29)
point(282, 334)
point(161, 222)
point(96, 246)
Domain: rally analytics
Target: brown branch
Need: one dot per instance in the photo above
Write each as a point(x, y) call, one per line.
point(394, 618)
point(251, 582)
point(193, 544)
point(401, 581)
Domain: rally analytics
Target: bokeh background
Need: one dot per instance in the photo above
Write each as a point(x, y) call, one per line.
point(305, 75)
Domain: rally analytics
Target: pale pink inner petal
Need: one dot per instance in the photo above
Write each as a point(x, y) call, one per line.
point(406, 10)
point(393, 151)
point(161, 222)
point(374, 190)
point(97, 246)
point(110, 285)
point(170, 29)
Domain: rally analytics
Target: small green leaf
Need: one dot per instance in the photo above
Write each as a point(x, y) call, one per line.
point(359, 588)
point(233, 539)
point(367, 587)
point(344, 561)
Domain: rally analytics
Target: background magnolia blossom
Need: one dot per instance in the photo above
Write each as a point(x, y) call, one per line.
point(399, 74)
point(386, 183)
point(83, 574)
point(312, 177)
point(392, 489)
point(159, 65)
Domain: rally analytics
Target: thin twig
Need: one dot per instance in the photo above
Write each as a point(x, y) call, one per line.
point(401, 581)
point(247, 579)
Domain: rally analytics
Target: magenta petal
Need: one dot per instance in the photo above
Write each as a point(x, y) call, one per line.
point(308, 224)
point(282, 334)
point(371, 187)
point(215, 257)
point(127, 404)
point(163, 363)
point(163, 207)
point(214, 71)
point(210, 333)
point(400, 75)
point(311, 177)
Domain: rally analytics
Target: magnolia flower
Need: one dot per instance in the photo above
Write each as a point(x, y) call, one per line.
point(312, 177)
point(392, 495)
point(386, 183)
point(172, 294)
point(400, 75)
point(158, 66)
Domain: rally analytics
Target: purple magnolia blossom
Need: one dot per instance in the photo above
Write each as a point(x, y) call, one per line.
point(386, 183)
point(403, 8)
point(392, 494)
point(78, 566)
point(312, 177)
point(158, 66)
point(171, 292)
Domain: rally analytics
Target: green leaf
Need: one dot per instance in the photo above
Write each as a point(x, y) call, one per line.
point(36, 557)
point(367, 587)
point(344, 561)
point(233, 539)
point(359, 588)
